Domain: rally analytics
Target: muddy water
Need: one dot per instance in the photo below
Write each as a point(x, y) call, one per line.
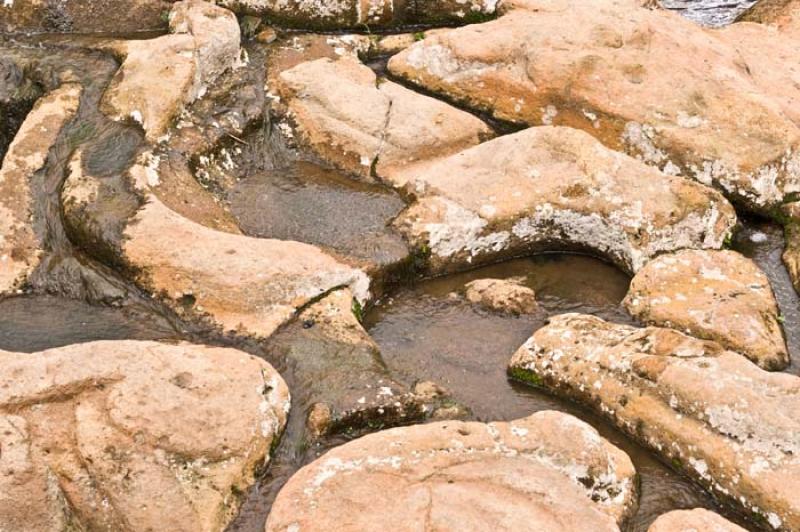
point(429, 332)
point(313, 204)
point(29, 324)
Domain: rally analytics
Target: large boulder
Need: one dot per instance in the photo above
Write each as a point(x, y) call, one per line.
point(125, 435)
point(693, 521)
point(549, 471)
point(353, 121)
point(645, 81)
point(21, 238)
point(713, 295)
point(711, 413)
point(555, 188)
point(160, 76)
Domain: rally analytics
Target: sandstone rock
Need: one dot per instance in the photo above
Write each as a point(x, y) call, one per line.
point(266, 36)
point(711, 413)
point(343, 384)
point(18, 93)
point(118, 16)
point(548, 471)
point(21, 244)
point(252, 285)
point(692, 521)
point(713, 295)
point(395, 43)
point(644, 81)
point(350, 122)
point(502, 295)
point(159, 76)
point(556, 188)
point(133, 435)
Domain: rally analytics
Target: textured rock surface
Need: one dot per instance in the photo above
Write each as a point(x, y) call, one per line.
point(133, 435)
point(693, 521)
point(21, 245)
point(343, 384)
point(783, 14)
point(549, 471)
point(556, 188)
point(121, 16)
point(356, 123)
point(711, 413)
point(159, 76)
point(252, 285)
point(645, 81)
point(502, 295)
point(713, 295)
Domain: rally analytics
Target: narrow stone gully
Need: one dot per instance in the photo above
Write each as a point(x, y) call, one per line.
point(253, 275)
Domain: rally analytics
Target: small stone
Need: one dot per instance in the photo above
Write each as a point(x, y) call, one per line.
point(319, 419)
point(266, 36)
point(506, 296)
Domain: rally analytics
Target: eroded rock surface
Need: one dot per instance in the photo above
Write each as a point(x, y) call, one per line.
point(713, 295)
point(783, 14)
point(133, 435)
point(693, 521)
point(712, 413)
point(645, 81)
point(556, 188)
point(355, 122)
point(83, 17)
point(343, 384)
point(159, 76)
point(548, 471)
point(21, 244)
point(502, 295)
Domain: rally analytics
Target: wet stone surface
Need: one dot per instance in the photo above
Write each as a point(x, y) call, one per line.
point(312, 204)
point(763, 242)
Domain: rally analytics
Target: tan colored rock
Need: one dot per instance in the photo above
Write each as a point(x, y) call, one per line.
point(711, 413)
point(693, 521)
point(395, 43)
point(644, 81)
point(159, 76)
point(350, 119)
point(502, 295)
point(549, 471)
point(712, 295)
point(244, 284)
point(21, 246)
point(549, 188)
point(128, 435)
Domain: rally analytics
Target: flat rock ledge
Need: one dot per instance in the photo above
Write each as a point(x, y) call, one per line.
point(695, 520)
point(126, 435)
point(555, 189)
point(638, 80)
point(711, 413)
point(361, 125)
point(712, 295)
point(506, 296)
point(21, 246)
point(549, 471)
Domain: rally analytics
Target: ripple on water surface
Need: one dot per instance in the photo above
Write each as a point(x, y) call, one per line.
point(709, 12)
point(312, 204)
point(429, 332)
point(29, 324)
